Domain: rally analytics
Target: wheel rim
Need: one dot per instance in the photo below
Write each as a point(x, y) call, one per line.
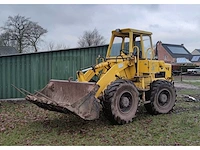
point(125, 102)
point(164, 97)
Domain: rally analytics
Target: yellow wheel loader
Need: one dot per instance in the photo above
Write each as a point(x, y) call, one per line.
point(129, 75)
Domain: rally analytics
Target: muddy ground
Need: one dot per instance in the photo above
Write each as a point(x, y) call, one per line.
point(185, 82)
point(180, 85)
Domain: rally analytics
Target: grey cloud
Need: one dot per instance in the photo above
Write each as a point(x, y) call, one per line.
point(54, 14)
point(149, 7)
point(154, 26)
point(169, 23)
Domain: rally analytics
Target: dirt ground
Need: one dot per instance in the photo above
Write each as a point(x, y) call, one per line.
point(187, 77)
point(185, 86)
point(185, 82)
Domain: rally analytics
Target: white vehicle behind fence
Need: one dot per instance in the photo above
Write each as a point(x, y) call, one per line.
point(194, 71)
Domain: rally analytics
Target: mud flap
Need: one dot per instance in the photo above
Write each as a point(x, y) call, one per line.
point(68, 96)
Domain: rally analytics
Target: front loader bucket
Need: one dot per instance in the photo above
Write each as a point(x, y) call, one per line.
point(65, 96)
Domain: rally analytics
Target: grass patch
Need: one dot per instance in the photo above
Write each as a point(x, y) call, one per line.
point(188, 92)
point(193, 82)
point(26, 124)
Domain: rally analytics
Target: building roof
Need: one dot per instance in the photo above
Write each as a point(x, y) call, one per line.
point(177, 51)
point(182, 60)
point(7, 50)
point(198, 50)
point(195, 58)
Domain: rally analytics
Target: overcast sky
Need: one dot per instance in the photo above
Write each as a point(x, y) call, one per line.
point(172, 24)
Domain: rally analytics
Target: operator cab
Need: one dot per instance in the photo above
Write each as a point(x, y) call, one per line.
point(129, 42)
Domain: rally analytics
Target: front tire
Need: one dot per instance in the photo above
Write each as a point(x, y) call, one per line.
point(162, 97)
point(120, 101)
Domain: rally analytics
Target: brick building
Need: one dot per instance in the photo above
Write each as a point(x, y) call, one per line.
point(172, 53)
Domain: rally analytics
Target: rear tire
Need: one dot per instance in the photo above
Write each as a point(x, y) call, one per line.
point(162, 97)
point(120, 101)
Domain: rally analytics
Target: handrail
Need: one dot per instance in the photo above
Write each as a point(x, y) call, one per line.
point(138, 54)
point(152, 53)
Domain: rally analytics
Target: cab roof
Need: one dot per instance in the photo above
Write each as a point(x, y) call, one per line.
point(127, 30)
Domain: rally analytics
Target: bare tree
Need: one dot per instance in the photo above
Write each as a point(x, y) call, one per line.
point(17, 27)
point(53, 46)
point(23, 31)
point(34, 33)
point(61, 46)
point(91, 38)
point(6, 40)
